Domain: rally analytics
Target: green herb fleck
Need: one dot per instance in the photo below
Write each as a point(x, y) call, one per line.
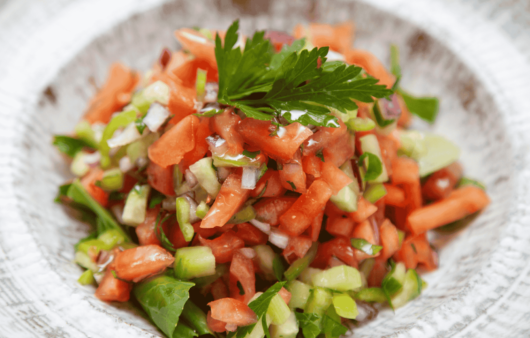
point(292, 185)
point(251, 154)
point(374, 167)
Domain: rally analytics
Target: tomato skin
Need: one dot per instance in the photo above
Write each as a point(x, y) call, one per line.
point(312, 165)
point(198, 45)
point(338, 37)
point(251, 235)
point(365, 209)
point(421, 253)
point(365, 231)
point(146, 230)
point(269, 210)
point(285, 294)
point(371, 64)
point(313, 231)
point(89, 183)
point(339, 247)
point(297, 248)
point(225, 125)
point(441, 183)
point(214, 324)
point(300, 215)
point(242, 271)
point(341, 150)
point(224, 246)
point(204, 233)
point(272, 184)
point(278, 39)
point(335, 177)
point(257, 133)
point(174, 234)
point(378, 272)
point(201, 146)
point(112, 289)
point(389, 239)
point(138, 263)
point(230, 198)
point(187, 72)
point(232, 311)
point(323, 137)
point(219, 289)
point(182, 99)
point(161, 178)
point(294, 173)
point(339, 226)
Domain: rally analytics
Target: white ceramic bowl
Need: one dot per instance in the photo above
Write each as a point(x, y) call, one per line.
point(473, 55)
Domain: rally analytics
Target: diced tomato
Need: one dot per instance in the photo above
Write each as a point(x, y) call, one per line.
point(177, 59)
point(174, 234)
point(388, 151)
point(161, 178)
point(417, 250)
point(204, 233)
point(128, 183)
point(297, 247)
point(182, 99)
point(201, 146)
point(271, 182)
point(282, 146)
point(314, 230)
point(333, 211)
point(371, 64)
point(341, 150)
point(312, 165)
point(177, 141)
point(230, 198)
point(394, 196)
point(121, 80)
point(441, 183)
point(187, 72)
point(286, 295)
point(379, 215)
point(339, 247)
point(214, 324)
point(242, 271)
point(338, 37)
point(378, 272)
point(292, 177)
point(335, 177)
point(269, 210)
point(224, 246)
point(389, 239)
point(278, 39)
point(300, 215)
point(323, 137)
point(89, 183)
point(339, 226)
point(405, 171)
point(233, 311)
point(112, 289)
point(219, 289)
point(138, 263)
point(251, 235)
point(225, 125)
point(365, 209)
point(365, 231)
point(197, 44)
point(146, 230)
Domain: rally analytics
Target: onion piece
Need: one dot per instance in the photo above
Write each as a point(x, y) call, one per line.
point(190, 178)
point(126, 164)
point(211, 88)
point(169, 204)
point(218, 146)
point(223, 172)
point(156, 116)
point(92, 158)
point(128, 135)
point(193, 209)
point(248, 252)
point(334, 56)
point(264, 227)
point(117, 210)
point(278, 238)
point(250, 178)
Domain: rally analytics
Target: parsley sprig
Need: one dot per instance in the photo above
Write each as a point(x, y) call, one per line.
point(295, 84)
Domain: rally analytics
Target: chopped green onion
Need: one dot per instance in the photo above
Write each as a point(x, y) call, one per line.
point(374, 192)
point(79, 167)
point(372, 295)
point(183, 217)
point(360, 124)
point(84, 260)
point(251, 154)
point(301, 264)
point(339, 278)
point(289, 329)
point(112, 179)
point(87, 278)
point(196, 317)
point(111, 238)
point(370, 144)
point(374, 166)
point(202, 210)
point(84, 131)
point(138, 148)
point(266, 258)
point(365, 246)
point(194, 262)
point(412, 286)
point(121, 120)
point(393, 281)
point(244, 215)
point(345, 306)
point(278, 310)
point(206, 176)
point(468, 181)
point(200, 84)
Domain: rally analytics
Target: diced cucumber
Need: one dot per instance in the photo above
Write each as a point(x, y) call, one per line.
point(244, 215)
point(372, 295)
point(136, 205)
point(383, 126)
point(84, 260)
point(369, 143)
point(278, 310)
point(440, 153)
point(202, 210)
point(339, 278)
point(200, 84)
point(360, 124)
point(86, 278)
point(93, 245)
point(112, 179)
point(319, 301)
point(412, 143)
point(345, 306)
point(220, 271)
point(300, 293)
point(138, 148)
point(111, 238)
point(265, 257)
point(464, 181)
point(79, 167)
point(346, 199)
point(412, 287)
point(226, 160)
point(183, 208)
point(393, 281)
point(84, 131)
point(289, 329)
point(194, 262)
point(155, 92)
point(374, 192)
point(306, 276)
point(206, 176)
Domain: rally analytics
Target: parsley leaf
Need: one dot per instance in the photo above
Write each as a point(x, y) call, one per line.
point(365, 246)
point(320, 155)
point(374, 166)
point(140, 125)
point(156, 198)
point(424, 107)
point(251, 154)
point(310, 323)
point(209, 113)
point(69, 145)
point(333, 328)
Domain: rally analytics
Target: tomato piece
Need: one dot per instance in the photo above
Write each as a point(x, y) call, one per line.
point(128, 183)
point(272, 184)
point(282, 146)
point(341, 150)
point(365, 231)
point(297, 247)
point(379, 270)
point(177, 141)
point(201, 146)
point(242, 271)
point(161, 178)
point(224, 246)
point(312, 165)
point(219, 289)
point(389, 150)
point(405, 171)
point(187, 72)
point(365, 209)
point(230, 198)
point(394, 196)
point(314, 229)
point(335, 177)
point(120, 80)
point(204, 233)
point(285, 294)
point(174, 234)
point(323, 137)
point(225, 125)
point(214, 324)
point(416, 250)
point(340, 248)
point(251, 235)
point(232, 311)
point(112, 289)
point(146, 230)
point(442, 182)
point(177, 59)
point(292, 177)
point(197, 44)
point(269, 210)
point(182, 99)
point(333, 211)
point(138, 263)
point(339, 226)
point(389, 239)
point(278, 39)
point(371, 64)
point(338, 37)
point(89, 183)
point(300, 215)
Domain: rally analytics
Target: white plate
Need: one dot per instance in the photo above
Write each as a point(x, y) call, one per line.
point(472, 54)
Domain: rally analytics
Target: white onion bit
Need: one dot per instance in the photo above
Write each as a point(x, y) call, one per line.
point(128, 135)
point(156, 116)
point(250, 178)
point(117, 210)
point(126, 164)
point(93, 158)
point(248, 252)
point(278, 238)
point(223, 172)
point(334, 56)
point(264, 227)
point(191, 179)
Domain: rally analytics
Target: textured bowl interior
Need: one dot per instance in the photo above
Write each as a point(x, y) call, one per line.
point(469, 116)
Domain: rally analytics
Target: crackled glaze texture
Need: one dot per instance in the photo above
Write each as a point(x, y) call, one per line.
point(472, 54)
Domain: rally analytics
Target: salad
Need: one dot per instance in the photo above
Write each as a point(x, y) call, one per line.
point(262, 186)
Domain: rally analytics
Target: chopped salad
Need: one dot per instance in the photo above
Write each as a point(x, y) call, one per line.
point(262, 186)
